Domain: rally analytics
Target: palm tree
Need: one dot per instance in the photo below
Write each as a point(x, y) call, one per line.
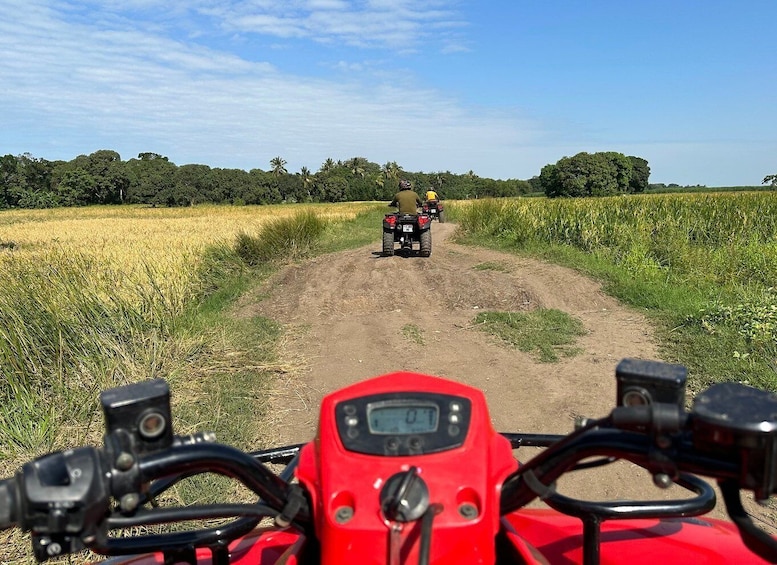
point(307, 178)
point(391, 170)
point(278, 165)
point(357, 166)
point(328, 165)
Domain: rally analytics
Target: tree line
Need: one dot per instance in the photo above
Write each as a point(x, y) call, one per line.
point(104, 178)
point(152, 179)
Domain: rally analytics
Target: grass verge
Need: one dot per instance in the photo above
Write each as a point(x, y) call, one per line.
point(548, 334)
point(719, 332)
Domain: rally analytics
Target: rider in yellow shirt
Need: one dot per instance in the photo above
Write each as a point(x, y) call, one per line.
point(431, 195)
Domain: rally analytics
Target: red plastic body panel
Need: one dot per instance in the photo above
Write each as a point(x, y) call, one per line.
point(336, 477)
point(539, 537)
point(678, 541)
point(390, 221)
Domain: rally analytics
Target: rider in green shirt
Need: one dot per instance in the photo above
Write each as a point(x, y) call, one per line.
point(406, 199)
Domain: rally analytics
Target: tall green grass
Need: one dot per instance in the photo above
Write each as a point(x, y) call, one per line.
point(281, 238)
point(365, 228)
point(65, 333)
point(306, 233)
point(704, 265)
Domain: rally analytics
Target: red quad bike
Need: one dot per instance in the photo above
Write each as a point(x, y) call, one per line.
point(407, 229)
point(406, 468)
point(435, 209)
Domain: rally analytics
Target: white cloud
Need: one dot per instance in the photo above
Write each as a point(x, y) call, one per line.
point(395, 25)
point(130, 90)
point(314, 5)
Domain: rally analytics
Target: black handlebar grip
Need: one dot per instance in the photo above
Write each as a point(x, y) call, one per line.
point(8, 503)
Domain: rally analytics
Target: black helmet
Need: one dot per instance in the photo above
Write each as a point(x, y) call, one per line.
point(404, 185)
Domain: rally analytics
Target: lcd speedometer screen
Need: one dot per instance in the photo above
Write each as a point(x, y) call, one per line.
point(402, 418)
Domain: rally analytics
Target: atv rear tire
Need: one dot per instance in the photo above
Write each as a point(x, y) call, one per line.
point(426, 243)
point(441, 217)
point(388, 243)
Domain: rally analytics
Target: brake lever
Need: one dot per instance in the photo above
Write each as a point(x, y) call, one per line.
point(757, 540)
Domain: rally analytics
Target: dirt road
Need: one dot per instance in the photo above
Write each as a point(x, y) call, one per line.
point(345, 314)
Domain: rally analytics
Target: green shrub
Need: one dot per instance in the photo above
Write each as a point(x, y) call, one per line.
point(281, 238)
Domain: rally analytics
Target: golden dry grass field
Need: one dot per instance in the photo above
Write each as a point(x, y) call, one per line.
point(88, 294)
point(128, 236)
point(89, 299)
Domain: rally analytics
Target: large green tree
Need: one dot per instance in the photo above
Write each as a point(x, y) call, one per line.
point(109, 174)
point(8, 181)
point(152, 178)
point(28, 182)
point(77, 187)
point(193, 185)
point(593, 174)
point(640, 174)
point(327, 165)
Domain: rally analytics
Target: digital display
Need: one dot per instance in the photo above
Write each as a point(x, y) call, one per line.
point(403, 423)
point(406, 417)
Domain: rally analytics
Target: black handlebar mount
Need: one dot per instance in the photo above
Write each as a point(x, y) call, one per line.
point(738, 422)
point(138, 422)
point(61, 498)
point(65, 498)
point(729, 434)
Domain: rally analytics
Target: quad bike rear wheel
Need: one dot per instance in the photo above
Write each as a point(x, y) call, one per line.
point(441, 217)
point(426, 243)
point(388, 243)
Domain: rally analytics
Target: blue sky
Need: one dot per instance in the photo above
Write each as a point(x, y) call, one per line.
point(499, 87)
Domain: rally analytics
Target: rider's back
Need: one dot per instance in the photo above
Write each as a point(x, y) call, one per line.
point(407, 202)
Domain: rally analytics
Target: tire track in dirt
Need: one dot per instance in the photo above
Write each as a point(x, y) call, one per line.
point(345, 315)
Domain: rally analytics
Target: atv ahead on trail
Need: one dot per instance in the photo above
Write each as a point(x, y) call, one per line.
point(407, 229)
point(435, 209)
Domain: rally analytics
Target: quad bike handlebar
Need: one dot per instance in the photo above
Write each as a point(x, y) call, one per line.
point(73, 499)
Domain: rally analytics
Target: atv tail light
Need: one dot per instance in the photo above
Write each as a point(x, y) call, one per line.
point(422, 221)
point(391, 220)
